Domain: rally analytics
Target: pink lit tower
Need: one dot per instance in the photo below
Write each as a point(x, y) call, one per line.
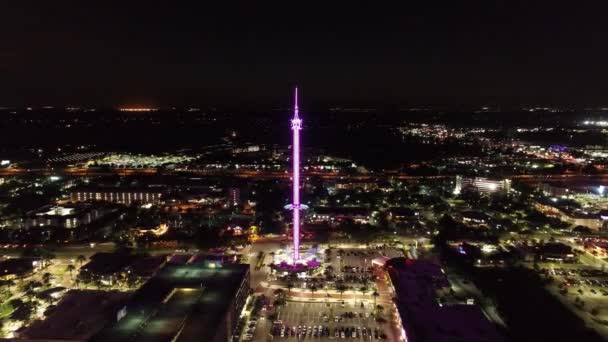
point(296, 126)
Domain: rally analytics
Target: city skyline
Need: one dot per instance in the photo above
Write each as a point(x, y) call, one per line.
point(257, 171)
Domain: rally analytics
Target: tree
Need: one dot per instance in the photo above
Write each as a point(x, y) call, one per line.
point(81, 259)
point(375, 294)
point(70, 268)
point(289, 286)
point(341, 288)
point(363, 291)
point(28, 289)
point(313, 289)
point(46, 278)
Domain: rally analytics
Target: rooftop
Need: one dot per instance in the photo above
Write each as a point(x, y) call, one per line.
point(416, 283)
point(16, 266)
point(78, 316)
point(181, 301)
point(475, 215)
point(109, 263)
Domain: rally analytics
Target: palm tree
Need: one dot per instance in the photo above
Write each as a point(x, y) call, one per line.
point(70, 268)
point(363, 291)
point(376, 295)
point(81, 259)
point(340, 287)
point(313, 289)
point(46, 278)
point(28, 289)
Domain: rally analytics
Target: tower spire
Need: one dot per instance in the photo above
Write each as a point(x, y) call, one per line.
point(296, 126)
point(295, 107)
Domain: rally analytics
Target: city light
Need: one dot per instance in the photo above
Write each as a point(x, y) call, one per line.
point(137, 109)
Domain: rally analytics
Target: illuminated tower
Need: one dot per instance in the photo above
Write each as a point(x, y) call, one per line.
point(296, 126)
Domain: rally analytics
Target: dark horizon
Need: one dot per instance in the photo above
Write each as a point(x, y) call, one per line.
point(245, 55)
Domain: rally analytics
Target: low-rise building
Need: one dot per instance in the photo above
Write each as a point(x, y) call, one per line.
point(475, 218)
point(403, 214)
point(66, 216)
point(183, 302)
point(17, 267)
point(117, 195)
point(417, 285)
point(336, 214)
point(481, 184)
point(556, 251)
point(78, 316)
point(574, 217)
point(352, 185)
point(106, 266)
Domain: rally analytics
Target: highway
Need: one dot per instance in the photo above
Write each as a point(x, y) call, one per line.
point(256, 174)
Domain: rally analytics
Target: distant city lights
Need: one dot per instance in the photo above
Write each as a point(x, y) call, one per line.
point(138, 109)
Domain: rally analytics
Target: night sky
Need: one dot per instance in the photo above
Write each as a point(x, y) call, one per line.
point(247, 54)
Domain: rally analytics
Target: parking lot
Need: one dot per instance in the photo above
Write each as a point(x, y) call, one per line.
point(359, 257)
point(579, 279)
point(322, 321)
point(583, 289)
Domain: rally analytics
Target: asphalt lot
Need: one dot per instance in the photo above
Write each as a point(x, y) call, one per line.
point(307, 309)
point(584, 289)
point(333, 316)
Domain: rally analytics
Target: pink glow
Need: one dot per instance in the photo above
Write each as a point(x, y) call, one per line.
point(296, 126)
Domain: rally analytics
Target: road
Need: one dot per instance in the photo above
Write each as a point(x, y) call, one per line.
point(242, 173)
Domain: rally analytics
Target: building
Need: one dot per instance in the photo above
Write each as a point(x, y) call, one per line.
point(68, 216)
point(353, 185)
point(474, 218)
point(403, 214)
point(234, 196)
point(556, 251)
point(106, 266)
point(571, 188)
point(17, 267)
point(183, 302)
point(555, 191)
point(417, 285)
point(480, 184)
point(78, 316)
point(592, 221)
point(117, 195)
point(334, 215)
